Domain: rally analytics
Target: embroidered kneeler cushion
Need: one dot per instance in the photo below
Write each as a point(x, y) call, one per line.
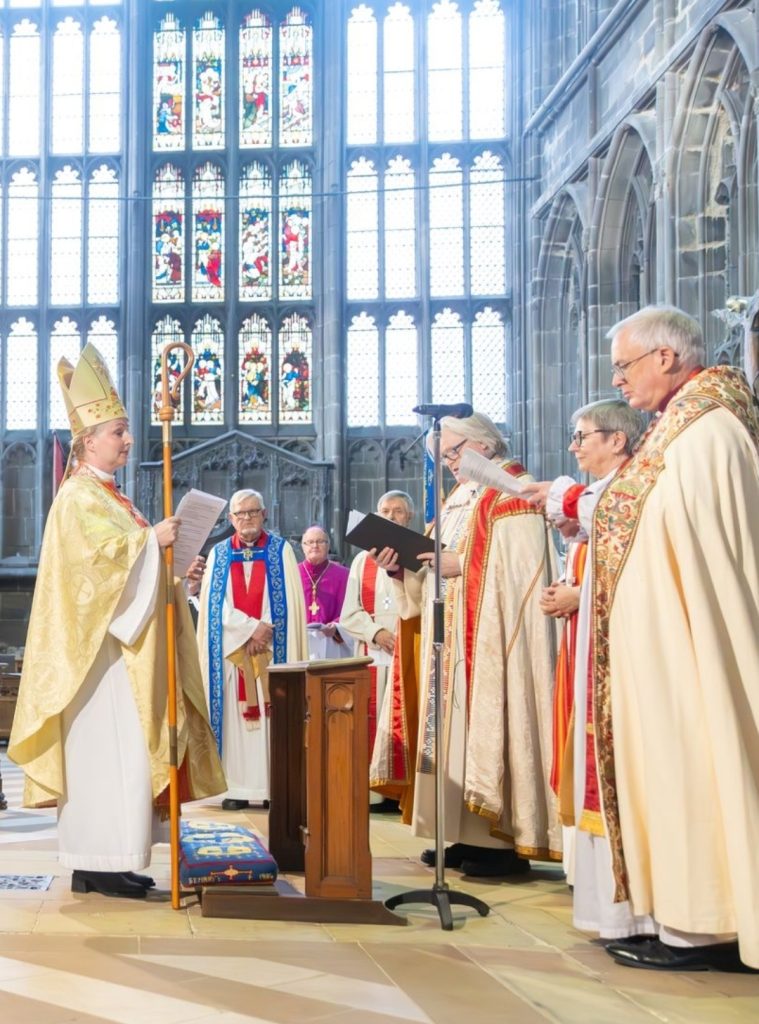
point(211, 853)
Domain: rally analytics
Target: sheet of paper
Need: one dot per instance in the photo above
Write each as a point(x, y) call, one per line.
point(354, 518)
point(198, 511)
point(476, 467)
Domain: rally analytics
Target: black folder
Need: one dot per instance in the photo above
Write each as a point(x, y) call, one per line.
point(377, 532)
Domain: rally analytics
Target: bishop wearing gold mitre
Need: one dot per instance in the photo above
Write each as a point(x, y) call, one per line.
point(91, 729)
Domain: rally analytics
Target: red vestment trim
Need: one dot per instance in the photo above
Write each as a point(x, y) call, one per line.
point(368, 599)
point(563, 698)
point(571, 499)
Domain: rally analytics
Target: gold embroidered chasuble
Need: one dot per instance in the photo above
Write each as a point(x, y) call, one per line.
point(675, 637)
point(91, 544)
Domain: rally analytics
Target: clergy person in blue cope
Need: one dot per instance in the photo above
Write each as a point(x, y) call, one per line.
point(251, 614)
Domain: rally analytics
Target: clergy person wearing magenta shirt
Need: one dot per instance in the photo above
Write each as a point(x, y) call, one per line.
point(324, 585)
point(251, 614)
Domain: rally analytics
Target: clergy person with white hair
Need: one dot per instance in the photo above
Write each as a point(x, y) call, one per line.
point(251, 614)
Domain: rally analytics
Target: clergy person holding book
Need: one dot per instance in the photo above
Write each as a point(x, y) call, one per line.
point(497, 669)
point(324, 584)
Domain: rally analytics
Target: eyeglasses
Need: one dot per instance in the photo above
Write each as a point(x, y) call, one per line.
point(578, 437)
point(313, 543)
point(618, 369)
point(453, 453)
point(248, 513)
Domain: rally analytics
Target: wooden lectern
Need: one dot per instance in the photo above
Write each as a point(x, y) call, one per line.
point(319, 805)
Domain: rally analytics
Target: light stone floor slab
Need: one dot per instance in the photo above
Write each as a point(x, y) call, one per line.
point(67, 959)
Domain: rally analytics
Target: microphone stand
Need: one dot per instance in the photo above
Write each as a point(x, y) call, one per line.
point(440, 895)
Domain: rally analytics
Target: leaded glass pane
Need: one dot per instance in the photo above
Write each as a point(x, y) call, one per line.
point(208, 238)
point(487, 85)
point(447, 352)
point(105, 87)
point(23, 239)
point(102, 334)
point(362, 237)
point(24, 91)
point(21, 403)
point(400, 230)
point(295, 80)
point(255, 232)
point(446, 231)
point(255, 79)
point(489, 364)
point(65, 341)
point(487, 232)
point(255, 370)
point(207, 371)
point(103, 237)
point(169, 85)
point(295, 370)
point(362, 76)
point(66, 237)
point(295, 232)
point(208, 69)
point(445, 111)
point(401, 370)
point(398, 75)
point(166, 332)
point(168, 235)
point(363, 372)
point(68, 88)
point(2, 93)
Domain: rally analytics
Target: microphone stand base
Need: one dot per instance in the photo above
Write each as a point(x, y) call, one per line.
point(441, 897)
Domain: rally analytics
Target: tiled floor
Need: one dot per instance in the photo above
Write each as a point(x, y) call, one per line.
point(66, 958)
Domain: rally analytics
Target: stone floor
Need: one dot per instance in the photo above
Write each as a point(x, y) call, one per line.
point(66, 958)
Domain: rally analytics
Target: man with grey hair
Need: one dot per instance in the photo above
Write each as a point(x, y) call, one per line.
point(675, 650)
point(251, 613)
point(370, 617)
point(497, 669)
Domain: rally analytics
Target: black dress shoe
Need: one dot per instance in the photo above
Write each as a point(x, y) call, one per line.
point(452, 858)
point(386, 806)
point(107, 883)
point(504, 863)
point(144, 880)
point(655, 955)
point(228, 804)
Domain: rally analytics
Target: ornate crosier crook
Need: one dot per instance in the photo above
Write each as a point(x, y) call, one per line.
point(169, 401)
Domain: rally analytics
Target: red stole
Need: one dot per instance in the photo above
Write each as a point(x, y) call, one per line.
point(563, 698)
point(248, 598)
point(368, 600)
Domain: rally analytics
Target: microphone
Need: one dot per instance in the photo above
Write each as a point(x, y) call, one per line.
point(460, 411)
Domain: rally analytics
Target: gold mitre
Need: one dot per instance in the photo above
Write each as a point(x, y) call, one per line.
point(88, 391)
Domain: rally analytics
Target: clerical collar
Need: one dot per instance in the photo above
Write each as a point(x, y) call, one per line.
point(671, 394)
point(101, 474)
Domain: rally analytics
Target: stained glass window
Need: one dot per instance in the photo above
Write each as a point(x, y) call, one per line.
point(167, 331)
point(208, 70)
point(255, 353)
point(400, 230)
point(363, 372)
point(487, 84)
point(105, 87)
point(445, 107)
point(362, 231)
point(68, 87)
point(103, 236)
point(168, 235)
point(207, 371)
point(23, 239)
point(2, 93)
point(208, 234)
point(362, 76)
point(448, 379)
point(398, 75)
point(169, 85)
point(489, 364)
point(24, 90)
point(487, 232)
point(295, 370)
point(255, 232)
point(102, 334)
point(446, 231)
point(65, 341)
point(255, 80)
point(401, 370)
point(21, 404)
point(295, 232)
point(295, 80)
point(66, 237)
